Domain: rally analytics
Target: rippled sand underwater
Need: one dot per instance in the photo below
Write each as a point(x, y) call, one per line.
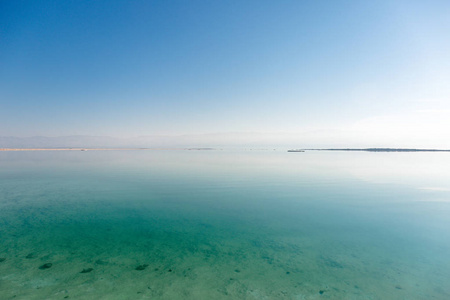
point(222, 225)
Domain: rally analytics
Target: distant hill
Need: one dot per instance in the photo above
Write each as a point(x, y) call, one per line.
point(317, 139)
point(59, 142)
point(231, 139)
point(189, 141)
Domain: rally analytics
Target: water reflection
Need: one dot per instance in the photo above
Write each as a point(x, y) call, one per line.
point(224, 224)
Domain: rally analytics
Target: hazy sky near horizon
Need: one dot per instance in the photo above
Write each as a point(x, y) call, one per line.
point(362, 70)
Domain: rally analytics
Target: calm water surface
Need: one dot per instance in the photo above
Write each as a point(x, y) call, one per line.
point(224, 225)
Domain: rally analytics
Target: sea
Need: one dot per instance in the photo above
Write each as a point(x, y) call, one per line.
point(224, 224)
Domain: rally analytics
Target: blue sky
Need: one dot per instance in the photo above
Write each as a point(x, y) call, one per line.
point(366, 71)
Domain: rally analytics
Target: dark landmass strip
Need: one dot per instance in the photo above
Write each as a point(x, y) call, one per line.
point(383, 150)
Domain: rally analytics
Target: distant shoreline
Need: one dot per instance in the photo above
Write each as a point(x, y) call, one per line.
point(382, 150)
point(202, 149)
point(97, 149)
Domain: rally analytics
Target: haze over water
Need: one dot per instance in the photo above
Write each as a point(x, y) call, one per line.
point(224, 225)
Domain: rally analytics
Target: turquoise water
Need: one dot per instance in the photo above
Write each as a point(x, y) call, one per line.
point(224, 225)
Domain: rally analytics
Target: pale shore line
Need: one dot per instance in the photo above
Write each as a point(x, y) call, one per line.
point(97, 149)
point(83, 149)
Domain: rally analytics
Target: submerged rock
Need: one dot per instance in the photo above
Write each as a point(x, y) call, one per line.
point(46, 266)
point(141, 267)
point(87, 270)
point(31, 255)
point(2, 259)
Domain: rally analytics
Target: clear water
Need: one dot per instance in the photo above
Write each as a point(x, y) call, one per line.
point(224, 225)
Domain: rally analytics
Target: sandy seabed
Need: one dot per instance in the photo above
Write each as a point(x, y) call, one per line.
point(155, 256)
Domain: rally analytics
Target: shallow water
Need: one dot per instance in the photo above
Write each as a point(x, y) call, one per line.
point(224, 225)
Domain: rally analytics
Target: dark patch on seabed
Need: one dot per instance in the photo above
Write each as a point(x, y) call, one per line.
point(141, 267)
point(46, 266)
point(88, 270)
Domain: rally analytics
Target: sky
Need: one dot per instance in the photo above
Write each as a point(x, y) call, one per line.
point(372, 73)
